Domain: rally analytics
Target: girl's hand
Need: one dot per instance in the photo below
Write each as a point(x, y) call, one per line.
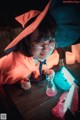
point(50, 72)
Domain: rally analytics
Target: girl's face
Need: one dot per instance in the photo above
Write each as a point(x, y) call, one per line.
point(43, 49)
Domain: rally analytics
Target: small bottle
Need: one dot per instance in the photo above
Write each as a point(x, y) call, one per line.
point(51, 89)
point(61, 63)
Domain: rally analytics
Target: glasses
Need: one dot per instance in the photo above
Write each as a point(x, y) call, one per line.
point(50, 45)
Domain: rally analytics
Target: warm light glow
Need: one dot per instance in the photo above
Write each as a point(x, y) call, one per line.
point(70, 58)
point(74, 56)
point(76, 52)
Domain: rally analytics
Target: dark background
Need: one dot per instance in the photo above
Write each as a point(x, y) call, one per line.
point(12, 8)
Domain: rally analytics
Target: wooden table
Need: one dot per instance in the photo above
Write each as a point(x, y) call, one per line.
point(35, 104)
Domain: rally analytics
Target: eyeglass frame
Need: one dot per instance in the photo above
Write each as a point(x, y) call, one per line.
point(38, 47)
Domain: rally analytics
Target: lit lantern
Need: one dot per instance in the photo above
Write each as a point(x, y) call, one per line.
point(76, 52)
point(70, 57)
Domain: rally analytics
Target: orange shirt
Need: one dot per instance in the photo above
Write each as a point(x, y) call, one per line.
point(15, 66)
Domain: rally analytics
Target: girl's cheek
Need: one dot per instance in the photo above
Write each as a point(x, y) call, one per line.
point(36, 52)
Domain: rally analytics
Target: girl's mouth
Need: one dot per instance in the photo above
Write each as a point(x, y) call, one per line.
point(43, 54)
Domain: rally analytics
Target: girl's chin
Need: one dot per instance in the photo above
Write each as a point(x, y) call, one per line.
point(43, 57)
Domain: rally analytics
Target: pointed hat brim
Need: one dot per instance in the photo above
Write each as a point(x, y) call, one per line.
point(28, 30)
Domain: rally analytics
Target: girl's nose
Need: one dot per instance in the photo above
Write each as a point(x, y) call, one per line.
point(45, 47)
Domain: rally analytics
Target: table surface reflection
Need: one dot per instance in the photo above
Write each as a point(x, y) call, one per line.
point(35, 104)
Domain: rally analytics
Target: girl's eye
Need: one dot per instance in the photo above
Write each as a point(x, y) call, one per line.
point(37, 45)
point(51, 40)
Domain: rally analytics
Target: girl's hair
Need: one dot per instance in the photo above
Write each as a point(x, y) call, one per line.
point(47, 26)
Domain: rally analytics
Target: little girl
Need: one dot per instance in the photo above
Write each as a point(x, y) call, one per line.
point(32, 47)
